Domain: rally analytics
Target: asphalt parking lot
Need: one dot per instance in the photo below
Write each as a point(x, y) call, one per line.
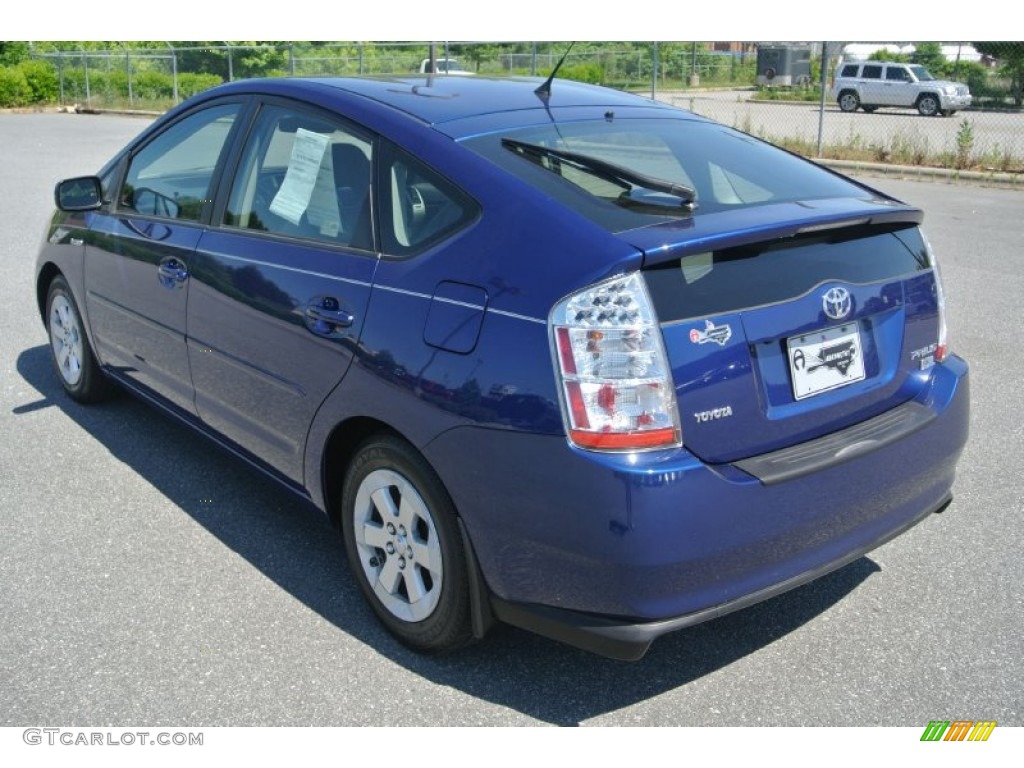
point(992, 133)
point(152, 579)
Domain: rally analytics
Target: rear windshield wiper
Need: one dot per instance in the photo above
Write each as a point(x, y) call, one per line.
point(615, 174)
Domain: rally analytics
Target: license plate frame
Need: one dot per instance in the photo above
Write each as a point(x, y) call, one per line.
point(825, 360)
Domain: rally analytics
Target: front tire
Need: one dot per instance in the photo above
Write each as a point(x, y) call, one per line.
point(848, 101)
point(72, 355)
point(404, 547)
point(928, 105)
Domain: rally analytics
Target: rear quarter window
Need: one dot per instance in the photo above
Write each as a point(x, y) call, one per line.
point(419, 206)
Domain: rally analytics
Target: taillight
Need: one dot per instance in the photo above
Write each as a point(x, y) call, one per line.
point(942, 346)
point(613, 372)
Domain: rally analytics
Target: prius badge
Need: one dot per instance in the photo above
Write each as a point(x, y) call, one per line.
point(716, 333)
point(837, 302)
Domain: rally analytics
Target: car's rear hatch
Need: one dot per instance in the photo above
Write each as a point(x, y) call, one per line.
point(786, 322)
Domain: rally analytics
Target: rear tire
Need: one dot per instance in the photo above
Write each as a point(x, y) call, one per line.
point(404, 547)
point(848, 101)
point(70, 351)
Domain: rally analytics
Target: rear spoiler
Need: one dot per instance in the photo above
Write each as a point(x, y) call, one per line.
point(757, 224)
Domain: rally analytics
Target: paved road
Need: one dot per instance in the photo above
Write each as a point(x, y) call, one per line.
point(994, 133)
point(149, 579)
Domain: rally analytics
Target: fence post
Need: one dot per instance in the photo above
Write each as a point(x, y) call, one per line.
point(291, 60)
point(821, 105)
point(654, 71)
point(85, 66)
point(128, 71)
point(533, 60)
point(60, 74)
point(174, 73)
point(360, 49)
point(231, 70)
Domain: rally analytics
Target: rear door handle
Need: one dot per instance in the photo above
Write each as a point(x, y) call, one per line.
point(325, 317)
point(171, 272)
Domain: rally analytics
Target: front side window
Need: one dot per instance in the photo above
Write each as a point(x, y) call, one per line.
point(307, 176)
point(897, 73)
point(922, 74)
point(171, 176)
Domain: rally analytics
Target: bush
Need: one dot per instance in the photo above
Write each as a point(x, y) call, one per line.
point(583, 73)
point(42, 81)
point(976, 76)
point(14, 89)
point(152, 86)
point(190, 83)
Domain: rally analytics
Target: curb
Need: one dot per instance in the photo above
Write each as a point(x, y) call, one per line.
point(121, 112)
point(924, 173)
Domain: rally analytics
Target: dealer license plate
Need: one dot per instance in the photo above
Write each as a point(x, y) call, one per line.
point(825, 360)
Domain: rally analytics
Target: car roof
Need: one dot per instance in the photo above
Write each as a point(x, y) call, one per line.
point(443, 98)
point(881, 63)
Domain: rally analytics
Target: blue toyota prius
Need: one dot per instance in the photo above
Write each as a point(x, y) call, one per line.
point(545, 353)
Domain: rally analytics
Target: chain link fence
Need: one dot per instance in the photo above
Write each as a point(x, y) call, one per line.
point(772, 90)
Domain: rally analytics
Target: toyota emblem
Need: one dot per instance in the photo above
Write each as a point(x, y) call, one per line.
point(837, 303)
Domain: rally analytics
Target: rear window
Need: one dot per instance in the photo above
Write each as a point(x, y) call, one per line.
point(726, 168)
point(724, 281)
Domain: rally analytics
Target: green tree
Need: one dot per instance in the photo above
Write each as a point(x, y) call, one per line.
point(12, 52)
point(479, 53)
point(1010, 57)
point(248, 59)
point(929, 55)
point(884, 54)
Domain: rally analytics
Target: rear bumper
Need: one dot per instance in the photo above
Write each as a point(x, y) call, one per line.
point(629, 641)
point(609, 552)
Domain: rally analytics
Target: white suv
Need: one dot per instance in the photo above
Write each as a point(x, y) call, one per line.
point(873, 84)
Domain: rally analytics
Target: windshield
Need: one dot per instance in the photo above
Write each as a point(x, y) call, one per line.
point(921, 73)
point(648, 159)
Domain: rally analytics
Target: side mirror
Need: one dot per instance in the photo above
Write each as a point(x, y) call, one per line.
point(80, 194)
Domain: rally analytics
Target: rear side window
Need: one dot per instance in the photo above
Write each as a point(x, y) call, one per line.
point(850, 70)
point(714, 283)
point(872, 72)
point(171, 176)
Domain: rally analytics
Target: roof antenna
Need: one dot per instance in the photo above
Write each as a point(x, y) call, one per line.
point(544, 89)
